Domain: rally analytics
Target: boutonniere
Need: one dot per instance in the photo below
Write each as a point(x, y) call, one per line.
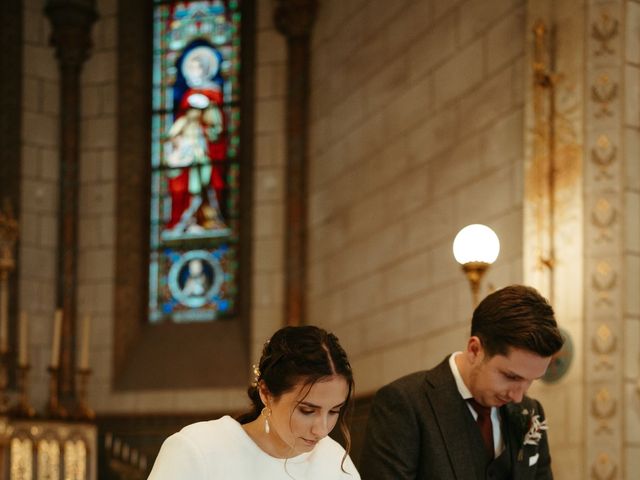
point(534, 426)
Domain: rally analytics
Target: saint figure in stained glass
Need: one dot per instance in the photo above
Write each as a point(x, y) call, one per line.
point(195, 163)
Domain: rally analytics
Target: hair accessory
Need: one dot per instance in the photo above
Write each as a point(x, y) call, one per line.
point(256, 375)
point(266, 416)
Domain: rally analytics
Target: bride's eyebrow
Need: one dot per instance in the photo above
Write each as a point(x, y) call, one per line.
point(313, 405)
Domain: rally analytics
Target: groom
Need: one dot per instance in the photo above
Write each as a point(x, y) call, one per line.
point(468, 418)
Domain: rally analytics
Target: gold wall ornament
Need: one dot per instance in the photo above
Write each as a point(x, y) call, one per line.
point(603, 281)
point(604, 344)
point(603, 155)
point(604, 468)
point(604, 92)
point(603, 408)
point(603, 217)
point(603, 31)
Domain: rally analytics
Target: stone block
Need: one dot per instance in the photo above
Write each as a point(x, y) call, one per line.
point(367, 369)
point(632, 284)
point(268, 289)
point(491, 101)
point(48, 230)
point(495, 192)
point(408, 278)
point(50, 97)
point(632, 33)
point(89, 169)
point(457, 167)
point(364, 295)
point(39, 62)
point(49, 164)
point(430, 225)
point(632, 96)
point(91, 101)
point(478, 16)
point(432, 137)
point(40, 129)
point(270, 116)
point(107, 7)
point(100, 67)
point(268, 221)
point(269, 185)
point(31, 94)
point(95, 264)
point(460, 74)
point(632, 153)
point(98, 132)
point(268, 255)
point(433, 48)
point(632, 413)
point(431, 312)
point(401, 360)
point(271, 47)
point(632, 222)
point(632, 348)
point(505, 40)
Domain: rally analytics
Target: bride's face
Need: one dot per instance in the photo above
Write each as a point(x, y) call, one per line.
point(305, 415)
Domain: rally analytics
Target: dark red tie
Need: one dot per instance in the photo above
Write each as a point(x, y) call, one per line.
point(484, 422)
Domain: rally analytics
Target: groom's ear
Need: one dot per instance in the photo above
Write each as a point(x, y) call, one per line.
point(475, 351)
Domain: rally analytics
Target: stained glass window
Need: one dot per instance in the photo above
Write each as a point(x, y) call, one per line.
point(195, 190)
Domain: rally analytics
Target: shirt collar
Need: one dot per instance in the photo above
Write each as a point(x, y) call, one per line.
point(462, 388)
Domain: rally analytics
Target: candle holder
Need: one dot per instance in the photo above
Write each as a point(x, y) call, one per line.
point(4, 382)
point(83, 412)
point(54, 408)
point(23, 408)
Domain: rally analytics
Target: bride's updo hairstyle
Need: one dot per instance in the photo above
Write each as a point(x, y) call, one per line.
point(300, 355)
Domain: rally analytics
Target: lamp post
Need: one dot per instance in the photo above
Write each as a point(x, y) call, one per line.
point(476, 247)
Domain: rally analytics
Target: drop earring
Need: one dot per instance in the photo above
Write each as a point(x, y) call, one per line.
point(266, 413)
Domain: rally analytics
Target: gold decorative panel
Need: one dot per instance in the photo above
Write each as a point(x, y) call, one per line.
point(75, 460)
point(604, 344)
point(48, 459)
point(604, 468)
point(21, 459)
point(603, 154)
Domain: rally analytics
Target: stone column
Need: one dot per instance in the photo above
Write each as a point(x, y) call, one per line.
point(294, 19)
point(71, 22)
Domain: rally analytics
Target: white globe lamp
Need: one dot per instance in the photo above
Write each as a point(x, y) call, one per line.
point(476, 247)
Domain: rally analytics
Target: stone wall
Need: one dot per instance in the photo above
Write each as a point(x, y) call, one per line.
point(97, 207)
point(416, 131)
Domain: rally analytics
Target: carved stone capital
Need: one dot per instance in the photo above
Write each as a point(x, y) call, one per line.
point(71, 22)
point(294, 18)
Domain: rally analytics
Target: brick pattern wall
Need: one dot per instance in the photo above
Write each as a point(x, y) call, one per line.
point(416, 131)
point(39, 202)
point(97, 207)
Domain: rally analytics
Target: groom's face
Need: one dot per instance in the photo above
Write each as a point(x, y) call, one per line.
point(501, 379)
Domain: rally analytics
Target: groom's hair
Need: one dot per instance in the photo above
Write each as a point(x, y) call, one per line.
point(516, 316)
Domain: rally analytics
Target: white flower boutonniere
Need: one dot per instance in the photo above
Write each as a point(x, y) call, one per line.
point(533, 436)
point(534, 433)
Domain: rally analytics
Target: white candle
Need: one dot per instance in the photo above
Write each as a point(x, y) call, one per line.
point(23, 344)
point(85, 339)
point(55, 346)
point(4, 314)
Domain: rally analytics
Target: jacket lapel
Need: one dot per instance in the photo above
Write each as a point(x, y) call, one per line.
point(514, 435)
point(451, 414)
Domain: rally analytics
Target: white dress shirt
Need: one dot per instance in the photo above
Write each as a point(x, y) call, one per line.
point(498, 441)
